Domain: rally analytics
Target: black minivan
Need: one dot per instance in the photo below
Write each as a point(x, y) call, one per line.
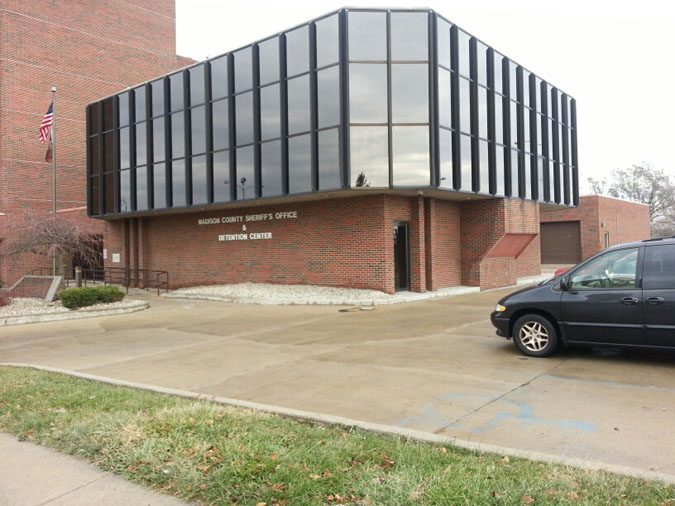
point(623, 296)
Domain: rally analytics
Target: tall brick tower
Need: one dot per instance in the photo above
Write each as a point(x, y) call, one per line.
point(87, 49)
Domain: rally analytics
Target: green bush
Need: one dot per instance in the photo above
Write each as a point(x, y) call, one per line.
point(72, 298)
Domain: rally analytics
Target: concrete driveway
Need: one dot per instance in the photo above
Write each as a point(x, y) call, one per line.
point(434, 365)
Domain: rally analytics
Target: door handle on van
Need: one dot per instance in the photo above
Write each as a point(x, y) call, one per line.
point(629, 301)
point(655, 300)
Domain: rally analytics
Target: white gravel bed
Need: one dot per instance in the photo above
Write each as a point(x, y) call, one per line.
point(266, 293)
point(29, 306)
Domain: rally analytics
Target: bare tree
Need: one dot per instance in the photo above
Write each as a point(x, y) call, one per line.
point(647, 185)
point(51, 237)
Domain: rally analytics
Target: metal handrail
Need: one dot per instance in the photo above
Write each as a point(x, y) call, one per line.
point(116, 276)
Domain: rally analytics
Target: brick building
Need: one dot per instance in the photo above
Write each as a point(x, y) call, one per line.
point(86, 50)
point(367, 148)
point(571, 235)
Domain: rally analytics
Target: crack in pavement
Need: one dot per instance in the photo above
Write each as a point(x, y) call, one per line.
point(498, 398)
point(68, 492)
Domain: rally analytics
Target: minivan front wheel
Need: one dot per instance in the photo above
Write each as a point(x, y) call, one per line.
point(535, 336)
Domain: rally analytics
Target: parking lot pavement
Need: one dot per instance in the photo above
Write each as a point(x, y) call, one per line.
point(434, 365)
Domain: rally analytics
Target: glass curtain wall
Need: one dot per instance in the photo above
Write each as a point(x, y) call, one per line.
point(389, 99)
point(357, 99)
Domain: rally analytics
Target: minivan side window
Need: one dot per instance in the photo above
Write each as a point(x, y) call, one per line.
point(615, 270)
point(659, 270)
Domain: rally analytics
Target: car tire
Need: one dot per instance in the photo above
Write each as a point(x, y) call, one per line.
point(535, 336)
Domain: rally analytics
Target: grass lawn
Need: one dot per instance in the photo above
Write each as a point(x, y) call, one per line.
point(213, 454)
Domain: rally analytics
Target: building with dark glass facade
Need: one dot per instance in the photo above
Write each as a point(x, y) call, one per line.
point(385, 149)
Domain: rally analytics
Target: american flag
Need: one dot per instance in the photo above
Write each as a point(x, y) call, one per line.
point(46, 125)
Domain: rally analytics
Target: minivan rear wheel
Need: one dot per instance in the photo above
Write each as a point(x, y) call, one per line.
point(535, 336)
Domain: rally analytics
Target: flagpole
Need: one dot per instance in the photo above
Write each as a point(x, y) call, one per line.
point(53, 131)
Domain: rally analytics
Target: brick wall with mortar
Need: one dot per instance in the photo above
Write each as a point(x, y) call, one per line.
point(625, 221)
point(87, 50)
point(335, 242)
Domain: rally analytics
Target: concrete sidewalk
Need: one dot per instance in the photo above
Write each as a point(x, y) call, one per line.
point(32, 475)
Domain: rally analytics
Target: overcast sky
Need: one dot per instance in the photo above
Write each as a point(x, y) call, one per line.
point(614, 57)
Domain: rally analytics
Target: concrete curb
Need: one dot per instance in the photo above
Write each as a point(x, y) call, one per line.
point(396, 299)
point(425, 437)
point(72, 315)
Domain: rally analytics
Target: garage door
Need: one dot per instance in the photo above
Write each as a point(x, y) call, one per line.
point(561, 242)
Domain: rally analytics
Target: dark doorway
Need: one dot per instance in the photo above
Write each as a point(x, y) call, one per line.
point(401, 264)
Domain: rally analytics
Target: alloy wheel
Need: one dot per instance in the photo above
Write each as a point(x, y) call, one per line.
point(534, 336)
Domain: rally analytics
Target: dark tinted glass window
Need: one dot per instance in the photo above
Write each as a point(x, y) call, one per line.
point(465, 151)
point(270, 168)
point(297, 51)
point(463, 40)
point(245, 182)
point(220, 125)
point(178, 182)
point(268, 52)
point(221, 176)
point(158, 140)
point(329, 159)
point(125, 155)
point(243, 68)
point(94, 118)
point(369, 157)
point(109, 182)
point(141, 188)
point(443, 43)
point(199, 194)
point(298, 105)
point(299, 164)
point(159, 185)
point(484, 167)
point(176, 85)
point(125, 191)
point(93, 162)
point(108, 153)
point(515, 191)
point(409, 93)
point(497, 63)
point(157, 97)
point(123, 107)
point(244, 130)
point(482, 112)
point(409, 39)
point(481, 62)
point(368, 93)
point(108, 122)
point(197, 85)
point(464, 106)
point(329, 97)
point(177, 135)
point(198, 130)
point(367, 36)
point(411, 155)
point(219, 77)
point(327, 42)
point(499, 119)
point(499, 171)
point(444, 98)
point(94, 195)
point(445, 148)
point(659, 267)
point(270, 115)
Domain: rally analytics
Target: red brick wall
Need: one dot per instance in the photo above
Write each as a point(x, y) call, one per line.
point(334, 242)
point(444, 264)
point(87, 50)
point(483, 224)
point(625, 221)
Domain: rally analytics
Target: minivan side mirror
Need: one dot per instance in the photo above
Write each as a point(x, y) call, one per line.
point(564, 283)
